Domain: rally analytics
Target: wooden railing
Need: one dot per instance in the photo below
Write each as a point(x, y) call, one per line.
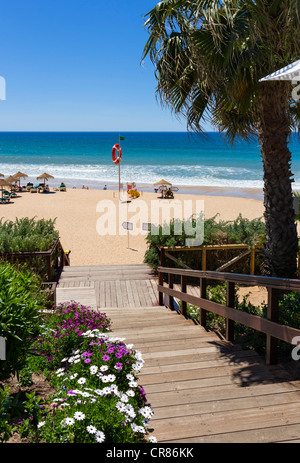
point(245, 248)
point(47, 255)
point(269, 325)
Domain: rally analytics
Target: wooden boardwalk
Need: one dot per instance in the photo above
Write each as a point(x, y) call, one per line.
point(108, 286)
point(201, 388)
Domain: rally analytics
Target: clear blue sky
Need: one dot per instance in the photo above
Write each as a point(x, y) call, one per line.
point(76, 65)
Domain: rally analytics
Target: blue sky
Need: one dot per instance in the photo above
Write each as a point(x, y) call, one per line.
point(76, 65)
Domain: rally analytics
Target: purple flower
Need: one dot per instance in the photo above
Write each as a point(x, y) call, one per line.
point(105, 358)
point(119, 366)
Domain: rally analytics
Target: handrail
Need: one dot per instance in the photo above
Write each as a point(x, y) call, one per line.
point(269, 325)
point(165, 252)
point(251, 280)
point(45, 254)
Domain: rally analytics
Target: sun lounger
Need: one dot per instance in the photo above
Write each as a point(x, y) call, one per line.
point(4, 200)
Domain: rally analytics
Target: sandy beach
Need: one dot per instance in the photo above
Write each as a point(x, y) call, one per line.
point(79, 214)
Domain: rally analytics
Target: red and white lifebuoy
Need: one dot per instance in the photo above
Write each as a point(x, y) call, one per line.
point(116, 148)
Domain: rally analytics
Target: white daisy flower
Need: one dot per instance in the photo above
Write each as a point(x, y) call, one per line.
point(41, 423)
point(81, 381)
point(93, 369)
point(104, 368)
point(138, 355)
point(152, 439)
point(79, 416)
point(120, 406)
point(146, 412)
point(91, 429)
point(130, 393)
point(67, 421)
point(141, 429)
point(111, 378)
point(114, 389)
point(130, 377)
point(60, 370)
point(132, 384)
point(74, 376)
point(100, 436)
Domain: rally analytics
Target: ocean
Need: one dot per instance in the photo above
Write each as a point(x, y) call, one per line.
point(185, 160)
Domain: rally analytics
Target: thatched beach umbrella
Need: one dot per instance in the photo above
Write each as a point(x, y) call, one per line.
point(4, 183)
point(19, 175)
point(2, 175)
point(44, 176)
point(10, 179)
point(162, 182)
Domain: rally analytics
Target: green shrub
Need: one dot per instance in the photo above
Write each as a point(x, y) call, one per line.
point(5, 427)
point(27, 235)
point(20, 301)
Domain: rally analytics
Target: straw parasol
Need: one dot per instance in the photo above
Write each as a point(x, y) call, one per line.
point(2, 175)
point(162, 182)
point(19, 175)
point(3, 183)
point(11, 179)
point(45, 176)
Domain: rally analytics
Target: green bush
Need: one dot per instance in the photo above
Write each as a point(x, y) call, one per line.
point(20, 301)
point(27, 235)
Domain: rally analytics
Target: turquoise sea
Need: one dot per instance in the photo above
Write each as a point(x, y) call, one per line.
point(183, 159)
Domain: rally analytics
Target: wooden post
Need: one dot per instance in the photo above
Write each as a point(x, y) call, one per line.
point(203, 259)
point(162, 257)
point(183, 289)
point(62, 257)
point(272, 314)
point(49, 268)
point(160, 294)
point(171, 299)
point(203, 312)
point(230, 303)
point(252, 262)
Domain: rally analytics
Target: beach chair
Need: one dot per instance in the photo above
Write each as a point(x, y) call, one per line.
point(4, 200)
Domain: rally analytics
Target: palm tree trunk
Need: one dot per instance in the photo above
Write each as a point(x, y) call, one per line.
point(281, 233)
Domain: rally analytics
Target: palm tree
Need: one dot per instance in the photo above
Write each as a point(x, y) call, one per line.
point(209, 57)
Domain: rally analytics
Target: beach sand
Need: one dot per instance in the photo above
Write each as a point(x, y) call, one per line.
point(78, 212)
point(77, 216)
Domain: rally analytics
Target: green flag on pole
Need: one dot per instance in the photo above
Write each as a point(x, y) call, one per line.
point(122, 138)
